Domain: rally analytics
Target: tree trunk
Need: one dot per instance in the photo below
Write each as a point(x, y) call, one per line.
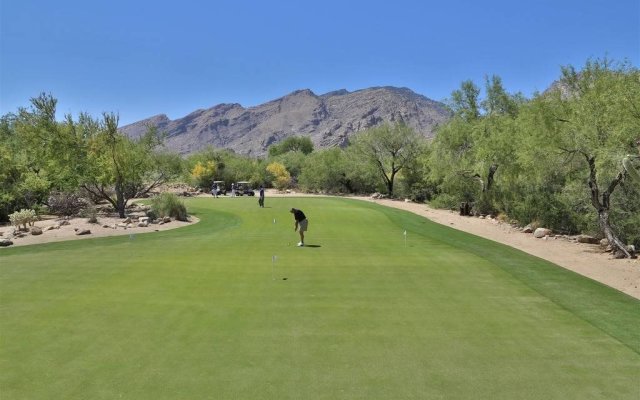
point(605, 225)
point(120, 203)
point(602, 205)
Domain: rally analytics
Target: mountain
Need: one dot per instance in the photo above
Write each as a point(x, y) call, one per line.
point(329, 120)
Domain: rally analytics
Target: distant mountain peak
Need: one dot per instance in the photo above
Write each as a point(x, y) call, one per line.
point(329, 120)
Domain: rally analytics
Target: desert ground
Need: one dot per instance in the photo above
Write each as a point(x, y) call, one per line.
point(585, 259)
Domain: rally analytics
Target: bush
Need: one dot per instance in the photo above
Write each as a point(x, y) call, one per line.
point(168, 205)
point(23, 217)
point(65, 203)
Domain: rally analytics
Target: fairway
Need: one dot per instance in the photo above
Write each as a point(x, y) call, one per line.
point(230, 308)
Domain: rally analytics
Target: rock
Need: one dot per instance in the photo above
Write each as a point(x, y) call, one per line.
point(143, 219)
point(604, 243)
point(527, 229)
point(166, 220)
point(587, 239)
point(49, 228)
point(541, 232)
point(129, 226)
point(143, 224)
point(122, 225)
point(35, 231)
point(5, 242)
point(106, 226)
point(64, 222)
point(127, 220)
point(618, 254)
point(80, 232)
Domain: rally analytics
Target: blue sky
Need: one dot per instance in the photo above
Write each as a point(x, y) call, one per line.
point(142, 58)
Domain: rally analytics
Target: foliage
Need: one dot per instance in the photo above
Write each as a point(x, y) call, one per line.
point(121, 168)
point(65, 203)
point(281, 177)
point(203, 173)
point(389, 149)
point(169, 205)
point(301, 144)
point(23, 217)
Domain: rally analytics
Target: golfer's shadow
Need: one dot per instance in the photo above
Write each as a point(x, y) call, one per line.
point(312, 245)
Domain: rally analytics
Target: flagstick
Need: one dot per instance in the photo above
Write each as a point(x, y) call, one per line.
point(273, 267)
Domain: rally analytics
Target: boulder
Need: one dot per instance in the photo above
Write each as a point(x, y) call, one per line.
point(541, 232)
point(127, 220)
point(527, 229)
point(143, 224)
point(5, 242)
point(80, 232)
point(587, 239)
point(64, 222)
point(143, 219)
point(166, 219)
point(604, 243)
point(35, 230)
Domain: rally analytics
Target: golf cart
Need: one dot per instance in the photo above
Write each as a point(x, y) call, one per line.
point(244, 188)
point(221, 188)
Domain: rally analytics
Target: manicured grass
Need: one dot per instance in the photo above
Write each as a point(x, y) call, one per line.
point(196, 313)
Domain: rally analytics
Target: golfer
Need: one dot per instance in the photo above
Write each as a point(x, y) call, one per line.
point(261, 198)
point(301, 224)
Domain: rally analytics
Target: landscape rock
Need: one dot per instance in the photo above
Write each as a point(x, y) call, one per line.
point(527, 229)
point(35, 230)
point(541, 232)
point(80, 232)
point(5, 242)
point(166, 220)
point(143, 224)
point(587, 239)
point(127, 220)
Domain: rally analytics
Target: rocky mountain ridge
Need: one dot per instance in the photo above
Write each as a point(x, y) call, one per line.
point(328, 119)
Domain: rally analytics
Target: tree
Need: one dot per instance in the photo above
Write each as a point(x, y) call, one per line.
point(121, 168)
point(281, 176)
point(464, 101)
point(593, 124)
point(389, 149)
point(292, 143)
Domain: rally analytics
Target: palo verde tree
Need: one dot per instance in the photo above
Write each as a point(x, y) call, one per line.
point(121, 168)
point(592, 120)
point(389, 149)
point(292, 143)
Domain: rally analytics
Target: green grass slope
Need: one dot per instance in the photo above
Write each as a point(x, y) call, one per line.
point(229, 308)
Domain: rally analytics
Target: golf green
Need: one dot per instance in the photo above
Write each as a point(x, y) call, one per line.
point(230, 308)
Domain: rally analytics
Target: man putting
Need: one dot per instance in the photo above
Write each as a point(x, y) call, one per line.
point(301, 224)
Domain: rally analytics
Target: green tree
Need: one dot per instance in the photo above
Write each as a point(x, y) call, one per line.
point(593, 123)
point(122, 168)
point(292, 143)
point(389, 149)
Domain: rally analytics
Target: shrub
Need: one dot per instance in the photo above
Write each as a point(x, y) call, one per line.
point(23, 217)
point(168, 205)
point(65, 203)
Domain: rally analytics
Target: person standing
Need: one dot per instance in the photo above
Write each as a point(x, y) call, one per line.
point(301, 225)
point(261, 198)
point(214, 190)
point(233, 190)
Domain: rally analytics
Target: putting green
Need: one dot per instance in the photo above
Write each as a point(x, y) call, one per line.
point(205, 312)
